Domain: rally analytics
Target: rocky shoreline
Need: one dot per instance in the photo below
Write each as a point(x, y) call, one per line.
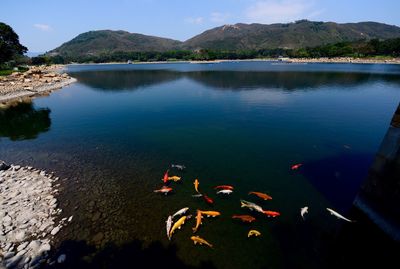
point(29, 217)
point(36, 81)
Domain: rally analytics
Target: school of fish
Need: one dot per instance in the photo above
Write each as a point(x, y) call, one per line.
point(172, 226)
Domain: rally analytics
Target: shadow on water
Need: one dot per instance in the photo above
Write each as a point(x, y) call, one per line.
point(227, 80)
point(339, 178)
point(24, 121)
point(130, 255)
point(361, 245)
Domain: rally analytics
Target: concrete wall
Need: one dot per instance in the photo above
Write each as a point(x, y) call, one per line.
point(379, 196)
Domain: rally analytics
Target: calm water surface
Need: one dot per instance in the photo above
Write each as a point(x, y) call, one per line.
point(112, 135)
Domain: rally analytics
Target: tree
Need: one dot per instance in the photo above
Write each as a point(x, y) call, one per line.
point(9, 44)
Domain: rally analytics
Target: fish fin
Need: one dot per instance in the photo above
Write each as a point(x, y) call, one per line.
point(179, 227)
point(195, 242)
point(242, 204)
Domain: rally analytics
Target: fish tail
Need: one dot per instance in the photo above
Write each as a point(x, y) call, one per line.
point(242, 204)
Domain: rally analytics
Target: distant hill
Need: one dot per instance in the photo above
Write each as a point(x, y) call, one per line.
point(107, 41)
point(289, 35)
point(236, 37)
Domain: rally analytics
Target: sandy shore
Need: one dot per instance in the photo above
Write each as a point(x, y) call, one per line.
point(38, 80)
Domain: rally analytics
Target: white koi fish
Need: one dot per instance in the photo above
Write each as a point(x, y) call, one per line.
point(251, 206)
point(303, 211)
point(180, 212)
point(336, 214)
point(178, 166)
point(169, 225)
point(224, 191)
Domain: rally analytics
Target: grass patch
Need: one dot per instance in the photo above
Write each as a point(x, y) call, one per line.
point(6, 72)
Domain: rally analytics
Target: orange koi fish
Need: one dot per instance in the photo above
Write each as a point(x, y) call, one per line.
point(196, 185)
point(198, 221)
point(244, 218)
point(210, 213)
point(271, 213)
point(261, 195)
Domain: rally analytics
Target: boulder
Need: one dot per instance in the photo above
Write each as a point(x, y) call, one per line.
point(3, 165)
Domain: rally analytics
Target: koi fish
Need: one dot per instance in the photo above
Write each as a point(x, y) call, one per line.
point(180, 212)
point(261, 195)
point(201, 241)
point(251, 206)
point(196, 185)
point(253, 232)
point(303, 211)
point(177, 225)
point(210, 213)
point(164, 190)
point(271, 213)
point(178, 166)
point(296, 166)
point(165, 178)
point(224, 191)
point(244, 218)
point(198, 221)
point(174, 178)
point(197, 195)
point(224, 187)
point(208, 199)
point(336, 214)
point(169, 225)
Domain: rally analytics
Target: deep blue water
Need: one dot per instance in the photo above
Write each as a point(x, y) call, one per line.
point(114, 133)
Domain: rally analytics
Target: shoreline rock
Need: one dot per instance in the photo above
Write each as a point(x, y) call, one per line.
point(28, 216)
point(38, 80)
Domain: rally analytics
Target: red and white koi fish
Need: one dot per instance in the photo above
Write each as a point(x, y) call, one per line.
point(164, 190)
point(224, 187)
point(296, 166)
point(224, 191)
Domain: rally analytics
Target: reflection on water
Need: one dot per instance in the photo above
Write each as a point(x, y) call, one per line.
point(125, 80)
point(234, 125)
point(24, 121)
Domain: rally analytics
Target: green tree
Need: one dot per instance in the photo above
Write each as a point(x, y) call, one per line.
point(9, 44)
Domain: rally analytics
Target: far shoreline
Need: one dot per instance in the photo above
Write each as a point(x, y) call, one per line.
point(349, 60)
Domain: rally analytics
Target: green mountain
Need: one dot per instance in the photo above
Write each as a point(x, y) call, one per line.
point(240, 36)
point(107, 41)
point(289, 35)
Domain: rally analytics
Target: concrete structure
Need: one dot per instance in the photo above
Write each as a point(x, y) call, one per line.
point(379, 196)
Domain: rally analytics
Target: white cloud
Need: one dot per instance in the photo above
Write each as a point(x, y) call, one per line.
point(43, 27)
point(194, 20)
point(219, 17)
point(273, 11)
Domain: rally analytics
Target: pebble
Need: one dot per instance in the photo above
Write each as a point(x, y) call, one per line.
point(55, 230)
point(27, 210)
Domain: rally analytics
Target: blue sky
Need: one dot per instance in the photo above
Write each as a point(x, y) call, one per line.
point(45, 24)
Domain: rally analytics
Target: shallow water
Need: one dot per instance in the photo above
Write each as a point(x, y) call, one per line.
point(113, 134)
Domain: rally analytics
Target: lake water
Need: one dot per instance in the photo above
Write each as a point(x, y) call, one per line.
point(112, 135)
